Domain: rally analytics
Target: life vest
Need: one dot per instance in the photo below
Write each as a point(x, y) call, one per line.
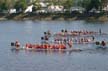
point(17, 44)
point(50, 46)
point(30, 46)
point(38, 46)
point(33, 46)
point(45, 46)
point(56, 46)
point(62, 46)
point(53, 46)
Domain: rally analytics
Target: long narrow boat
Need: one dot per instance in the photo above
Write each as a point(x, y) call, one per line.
point(51, 50)
point(67, 49)
point(78, 33)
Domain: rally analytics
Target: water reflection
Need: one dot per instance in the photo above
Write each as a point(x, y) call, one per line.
point(28, 28)
point(47, 52)
point(61, 52)
point(16, 51)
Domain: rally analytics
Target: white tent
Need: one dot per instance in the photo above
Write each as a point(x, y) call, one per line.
point(12, 11)
point(28, 9)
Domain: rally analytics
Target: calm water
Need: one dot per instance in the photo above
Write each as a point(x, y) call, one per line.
point(31, 31)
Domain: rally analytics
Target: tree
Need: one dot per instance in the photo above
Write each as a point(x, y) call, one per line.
point(90, 4)
point(10, 3)
point(3, 6)
point(68, 4)
point(20, 5)
point(37, 5)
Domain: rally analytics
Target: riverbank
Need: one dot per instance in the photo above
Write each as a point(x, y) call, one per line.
point(56, 16)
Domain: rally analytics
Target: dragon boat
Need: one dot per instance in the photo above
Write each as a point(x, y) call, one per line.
point(61, 41)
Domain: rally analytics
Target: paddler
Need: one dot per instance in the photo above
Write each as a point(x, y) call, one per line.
point(100, 31)
point(103, 43)
point(49, 33)
point(12, 44)
point(70, 43)
point(46, 39)
point(42, 40)
point(17, 44)
point(62, 31)
point(93, 38)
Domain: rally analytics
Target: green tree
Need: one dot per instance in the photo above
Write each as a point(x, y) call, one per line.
point(37, 5)
point(84, 3)
point(10, 3)
point(3, 6)
point(20, 5)
point(68, 4)
point(90, 4)
point(23, 4)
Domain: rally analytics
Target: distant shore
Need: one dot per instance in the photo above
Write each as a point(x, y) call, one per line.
point(57, 16)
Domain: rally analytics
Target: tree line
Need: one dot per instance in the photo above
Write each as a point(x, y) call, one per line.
point(22, 4)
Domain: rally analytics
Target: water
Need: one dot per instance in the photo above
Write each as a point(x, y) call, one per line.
point(31, 31)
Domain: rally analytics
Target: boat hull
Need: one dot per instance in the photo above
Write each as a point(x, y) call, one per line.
point(33, 49)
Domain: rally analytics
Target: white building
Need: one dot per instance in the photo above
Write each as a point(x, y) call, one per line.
point(55, 8)
point(79, 9)
point(12, 11)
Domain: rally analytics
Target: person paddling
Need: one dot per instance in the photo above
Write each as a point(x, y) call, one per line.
point(100, 32)
point(17, 44)
point(70, 43)
point(12, 44)
point(103, 43)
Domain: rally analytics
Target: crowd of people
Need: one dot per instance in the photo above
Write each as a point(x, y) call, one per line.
point(101, 44)
point(60, 42)
point(76, 33)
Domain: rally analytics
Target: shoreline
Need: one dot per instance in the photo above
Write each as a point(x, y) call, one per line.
point(59, 17)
